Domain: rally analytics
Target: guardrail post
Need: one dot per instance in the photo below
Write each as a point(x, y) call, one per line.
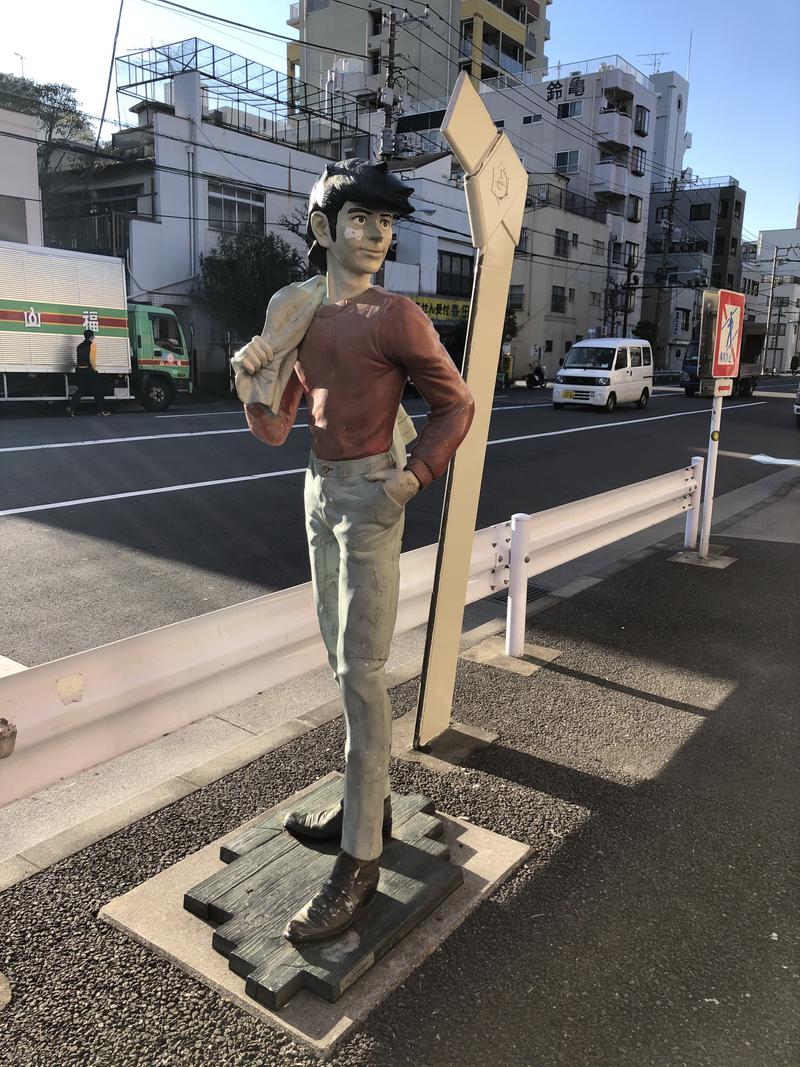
point(517, 584)
point(693, 514)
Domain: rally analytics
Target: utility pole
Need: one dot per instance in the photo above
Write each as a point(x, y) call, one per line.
point(771, 294)
point(388, 96)
point(607, 294)
point(661, 278)
point(388, 139)
point(777, 335)
point(628, 272)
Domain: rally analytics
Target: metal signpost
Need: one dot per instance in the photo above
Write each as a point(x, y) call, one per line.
point(720, 345)
point(496, 184)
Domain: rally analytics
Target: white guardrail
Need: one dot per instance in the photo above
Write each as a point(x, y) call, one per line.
point(76, 712)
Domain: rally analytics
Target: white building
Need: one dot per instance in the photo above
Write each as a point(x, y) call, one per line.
point(777, 250)
point(20, 199)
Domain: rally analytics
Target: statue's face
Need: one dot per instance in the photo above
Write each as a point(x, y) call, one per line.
point(363, 236)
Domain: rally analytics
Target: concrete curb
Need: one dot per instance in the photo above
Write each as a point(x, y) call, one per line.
point(87, 832)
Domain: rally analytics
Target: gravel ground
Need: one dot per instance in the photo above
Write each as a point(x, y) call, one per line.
point(653, 770)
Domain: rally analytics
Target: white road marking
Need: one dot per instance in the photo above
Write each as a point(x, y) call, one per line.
point(301, 470)
point(185, 433)
point(618, 425)
point(148, 492)
point(773, 460)
point(10, 666)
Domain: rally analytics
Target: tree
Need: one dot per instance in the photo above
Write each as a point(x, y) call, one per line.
point(510, 327)
point(647, 330)
point(55, 106)
point(238, 278)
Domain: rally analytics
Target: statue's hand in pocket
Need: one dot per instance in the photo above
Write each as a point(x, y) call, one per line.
point(399, 486)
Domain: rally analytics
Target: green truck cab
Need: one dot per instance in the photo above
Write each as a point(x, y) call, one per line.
point(161, 366)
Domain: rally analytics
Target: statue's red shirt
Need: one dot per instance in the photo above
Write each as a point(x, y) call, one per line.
point(352, 366)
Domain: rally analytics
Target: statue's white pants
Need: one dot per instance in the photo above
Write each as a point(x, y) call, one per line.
point(354, 533)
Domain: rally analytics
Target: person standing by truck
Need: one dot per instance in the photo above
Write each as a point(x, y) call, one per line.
point(87, 378)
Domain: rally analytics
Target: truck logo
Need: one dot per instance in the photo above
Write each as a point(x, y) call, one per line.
point(32, 317)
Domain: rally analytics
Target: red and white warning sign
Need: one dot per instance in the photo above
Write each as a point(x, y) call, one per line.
point(728, 336)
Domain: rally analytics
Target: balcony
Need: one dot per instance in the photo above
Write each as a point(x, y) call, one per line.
point(610, 178)
point(614, 128)
point(294, 16)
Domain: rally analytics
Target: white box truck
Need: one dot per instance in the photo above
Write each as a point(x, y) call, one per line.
point(49, 296)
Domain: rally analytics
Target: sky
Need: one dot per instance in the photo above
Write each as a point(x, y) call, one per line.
point(744, 74)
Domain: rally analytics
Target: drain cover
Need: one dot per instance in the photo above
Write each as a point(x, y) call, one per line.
point(535, 592)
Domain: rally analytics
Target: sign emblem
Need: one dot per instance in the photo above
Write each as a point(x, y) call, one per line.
point(90, 321)
point(500, 183)
point(728, 334)
point(32, 317)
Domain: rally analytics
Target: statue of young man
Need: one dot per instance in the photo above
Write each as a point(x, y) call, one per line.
point(353, 356)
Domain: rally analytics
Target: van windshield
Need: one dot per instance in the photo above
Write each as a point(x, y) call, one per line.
point(590, 357)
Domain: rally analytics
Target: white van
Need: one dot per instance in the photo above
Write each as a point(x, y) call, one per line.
point(604, 372)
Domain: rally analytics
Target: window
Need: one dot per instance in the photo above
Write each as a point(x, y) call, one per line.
point(571, 296)
point(662, 214)
point(621, 362)
point(634, 209)
point(595, 300)
point(630, 299)
point(558, 299)
point(165, 332)
point(233, 208)
point(454, 276)
point(754, 288)
point(573, 109)
point(567, 162)
point(562, 244)
point(641, 122)
point(574, 240)
point(683, 319)
point(616, 252)
point(636, 357)
point(374, 62)
point(516, 297)
point(719, 245)
point(723, 208)
point(600, 248)
point(500, 123)
point(524, 239)
point(737, 209)
point(730, 281)
point(548, 345)
point(734, 245)
point(631, 252)
point(638, 160)
point(699, 212)
point(375, 22)
point(528, 119)
point(647, 357)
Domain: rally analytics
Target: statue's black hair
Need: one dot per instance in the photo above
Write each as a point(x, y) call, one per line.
point(361, 180)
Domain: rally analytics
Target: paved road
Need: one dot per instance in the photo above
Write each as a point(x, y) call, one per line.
point(114, 526)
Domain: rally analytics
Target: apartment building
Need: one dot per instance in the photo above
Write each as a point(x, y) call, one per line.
point(20, 200)
point(693, 240)
point(776, 254)
point(432, 44)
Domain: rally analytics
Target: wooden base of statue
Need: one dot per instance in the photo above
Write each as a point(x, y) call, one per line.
point(271, 874)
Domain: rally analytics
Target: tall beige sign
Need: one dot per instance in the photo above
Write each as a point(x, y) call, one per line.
point(496, 185)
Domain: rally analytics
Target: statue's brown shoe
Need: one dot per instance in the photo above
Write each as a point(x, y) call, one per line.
point(351, 886)
point(327, 825)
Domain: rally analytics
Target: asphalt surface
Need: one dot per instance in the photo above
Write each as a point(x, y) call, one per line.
point(653, 770)
point(102, 564)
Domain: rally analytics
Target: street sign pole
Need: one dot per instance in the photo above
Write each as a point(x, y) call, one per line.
point(711, 475)
point(718, 355)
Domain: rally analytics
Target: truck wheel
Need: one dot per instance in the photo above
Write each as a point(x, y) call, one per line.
point(560, 407)
point(611, 403)
point(746, 388)
point(690, 392)
point(641, 403)
point(158, 393)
